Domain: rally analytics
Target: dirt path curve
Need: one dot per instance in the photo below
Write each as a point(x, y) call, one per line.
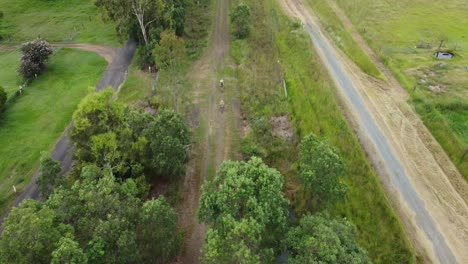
point(214, 128)
point(424, 185)
point(114, 75)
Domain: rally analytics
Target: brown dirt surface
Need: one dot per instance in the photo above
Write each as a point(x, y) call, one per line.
point(435, 179)
point(213, 127)
point(282, 127)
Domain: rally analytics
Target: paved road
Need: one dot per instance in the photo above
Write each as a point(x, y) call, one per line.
point(398, 177)
point(63, 151)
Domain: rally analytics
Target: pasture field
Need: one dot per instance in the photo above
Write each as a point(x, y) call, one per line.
point(9, 78)
point(406, 34)
point(279, 47)
point(36, 119)
point(77, 21)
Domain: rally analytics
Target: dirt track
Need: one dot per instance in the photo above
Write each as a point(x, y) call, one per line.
point(215, 127)
point(425, 187)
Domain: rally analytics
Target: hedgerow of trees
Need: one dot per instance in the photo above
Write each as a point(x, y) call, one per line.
point(249, 219)
point(104, 215)
point(99, 219)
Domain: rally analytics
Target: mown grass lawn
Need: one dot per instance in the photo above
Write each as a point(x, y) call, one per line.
point(279, 47)
point(35, 120)
point(55, 21)
point(9, 78)
point(394, 29)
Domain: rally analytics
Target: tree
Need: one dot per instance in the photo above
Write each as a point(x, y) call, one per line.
point(68, 252)
point(245, 193)
point(96, 114)
point(170, 52)
point(321, 169)
point(34, 57)
point(170, 56)
point(240, 18)
point(30, 234)
point(49, 175)
point(236, 242)
point(148, 17)
point(319, 239)
point(168, 142)
point(3, 99)
point(157, 234)
point(112, 223)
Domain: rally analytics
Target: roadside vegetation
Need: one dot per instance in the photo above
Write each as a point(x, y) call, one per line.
point(40, 114)
point(170, 89)
point(342, 38)
point(406, 42)
point(278, 48)
point(118, 150)
point(61, 21)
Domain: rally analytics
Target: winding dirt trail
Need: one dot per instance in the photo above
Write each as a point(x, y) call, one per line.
point(428, 192)
point(214, 140)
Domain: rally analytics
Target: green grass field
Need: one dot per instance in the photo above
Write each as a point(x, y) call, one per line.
point(55, 21)
point(441, 96)
point(314, 108)
point(342, 38)
point(9, 78)
point(37, 118)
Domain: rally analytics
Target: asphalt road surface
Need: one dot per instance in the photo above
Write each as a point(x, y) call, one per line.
point(398, 177)
point(113, 76)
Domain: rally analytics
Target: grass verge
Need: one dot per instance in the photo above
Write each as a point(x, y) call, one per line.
point(313, 107)
point(39, 116)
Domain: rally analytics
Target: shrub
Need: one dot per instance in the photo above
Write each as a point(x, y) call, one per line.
point(240, 18)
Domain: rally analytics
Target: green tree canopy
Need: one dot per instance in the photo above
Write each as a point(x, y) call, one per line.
point(49, 175)
point(320, 170)
point(144, 19)
point(127, 142)
point(31, 233)
point(68, 252)
point(170, 52)
point(99, 219)
point(240, 18)
point(319, 239)
point(168, 142)
point(245, 193)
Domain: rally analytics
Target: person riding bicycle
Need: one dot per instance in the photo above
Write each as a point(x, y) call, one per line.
point(221, 105)
point(221, 83)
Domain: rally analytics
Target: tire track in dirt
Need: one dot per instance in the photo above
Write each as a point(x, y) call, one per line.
point(214, 140)
point(425, 187)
